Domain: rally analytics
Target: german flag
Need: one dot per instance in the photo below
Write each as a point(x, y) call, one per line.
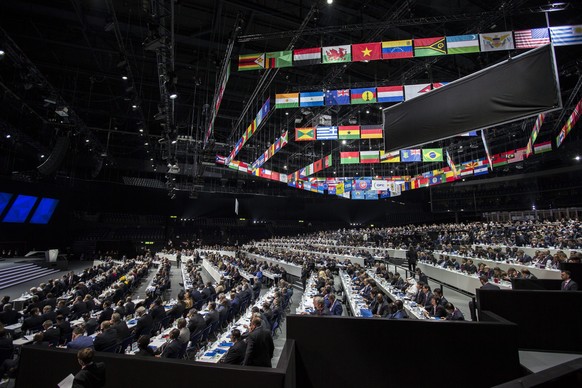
point(371, 132)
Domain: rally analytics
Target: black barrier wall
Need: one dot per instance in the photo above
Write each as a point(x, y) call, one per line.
point(547, 320)
point(353, 352)
point(44, 367)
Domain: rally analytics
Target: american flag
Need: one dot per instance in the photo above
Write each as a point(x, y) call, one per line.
point(531, 38)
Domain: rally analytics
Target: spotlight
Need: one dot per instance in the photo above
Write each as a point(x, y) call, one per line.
point(173, 93)
point(87, 141)
point(141, 130)
point(329, 1)
point(344, 142)
point(42, 156)
point(124, 77)
point(2, 53)
point(8, 137)
point(577, 156)
point(146, 143)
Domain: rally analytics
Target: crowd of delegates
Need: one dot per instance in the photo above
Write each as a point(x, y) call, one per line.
point(563, 234)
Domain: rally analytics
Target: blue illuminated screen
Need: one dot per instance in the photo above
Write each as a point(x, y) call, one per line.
point(44, 211)
point(4, 199)
point(20, 209)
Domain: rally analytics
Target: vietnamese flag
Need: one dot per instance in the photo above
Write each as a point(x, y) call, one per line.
point(367, 52)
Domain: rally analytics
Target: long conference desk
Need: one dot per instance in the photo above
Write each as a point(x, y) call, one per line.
point(540, 273)
point(459, 280)
point(291, 268)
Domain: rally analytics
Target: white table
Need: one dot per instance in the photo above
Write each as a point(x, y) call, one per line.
point(291, 268)
point(411, 308)
point(456, 279)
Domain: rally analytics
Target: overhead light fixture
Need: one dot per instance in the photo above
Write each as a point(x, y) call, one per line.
point(141, 130)
point(8, 136)
point(42, 156)
point(577, 157)
point(87, 141)
point(146, 143)
point(329, 1)
point(62, 111)
point(344, 142)
point(2, 53)
point(124, 77)
point(173, 93)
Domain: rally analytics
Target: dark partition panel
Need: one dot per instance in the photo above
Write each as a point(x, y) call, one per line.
point(43, 367)
point(353, 352)
point(536, 284)
point(568, 374)
point(547, 320)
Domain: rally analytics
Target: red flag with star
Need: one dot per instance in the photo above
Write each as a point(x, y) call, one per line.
point(367, 52)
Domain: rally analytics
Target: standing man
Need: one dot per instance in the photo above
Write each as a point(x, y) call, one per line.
point(178, 258)
point(412, 258)
point(260, 346)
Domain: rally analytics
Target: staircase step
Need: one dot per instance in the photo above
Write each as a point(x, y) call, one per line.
point(32, 272)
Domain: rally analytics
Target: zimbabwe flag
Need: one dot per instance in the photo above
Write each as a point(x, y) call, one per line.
point(251, 61)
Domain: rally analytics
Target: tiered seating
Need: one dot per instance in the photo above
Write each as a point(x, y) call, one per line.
point(21, 273)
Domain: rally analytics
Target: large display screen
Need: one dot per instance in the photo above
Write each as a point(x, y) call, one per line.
point(20, 209)
point(44, 211)
point(4, 199)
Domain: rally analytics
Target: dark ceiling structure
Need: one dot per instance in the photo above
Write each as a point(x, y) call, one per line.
point(130, 84)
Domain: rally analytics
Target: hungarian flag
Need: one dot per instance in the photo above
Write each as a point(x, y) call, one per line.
point(287, 100)
point(305, 134)
point(279, 59)
point(251, 62)
point(390, 93)
point(350, 157)
point(366, 52)
point(428, 47)
point(309, 56)
point(349, 132)
point(397, 49)
point(371, 131)
point(369, 157)
point(337, 54)
point(363, 96)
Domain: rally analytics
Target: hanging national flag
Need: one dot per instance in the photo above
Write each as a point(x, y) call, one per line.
point(390, 93)
point(363, 95)
point(349, 132)
point(371, 131)
point(407, 156)
point(305, 134)
point(412, 91)
point(279, 59)
point(358, 194)
point(327, 161)
point(436, 85)
point(543, 147)
point(390, 157)
point(496, 41)
point(566, 35)
point(220, 159)
point(498, 160)
point(452, 165)
point(369, 157)
point(471, 133)
point(570, 123)
point(337, 97)
point(287, 100)
point(251, 61)
point(486, 149)
point(427, 47)
point(337, 54)
point(435, 180)
point(432, 154)
point(363, 184)
point(464, 173)
point(326, 133)
point(317, 166)
point(397, 49)
point(309, 56)
point(366, 52)
point(263, 112)
point(481, 170)
point(339, 188)
point(533, 38)
point(534, 134)
point(284, 138)
point(349, 158)
point(463, 44)
point(311, 99)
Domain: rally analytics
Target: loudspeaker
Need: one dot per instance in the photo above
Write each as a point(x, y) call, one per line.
point(54, 160)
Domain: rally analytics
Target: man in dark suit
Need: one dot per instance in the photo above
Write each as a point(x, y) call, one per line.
point(120, 327)
point(65, 328)
point(453, 313)
point(48, 314)
point(107, 339)
point(106, 313)
point(379, 306)
point(236, 354)
point(34, 322)
point(129, 306)
point(62, 309)
point(426, 297)
point(260, 345)
point(212, 315)
point(485, 285)
point(145, 323)
point(412, 258)
point(567, 283)
point(92, 374)
point(9, 316)
point(319, 306)
point(196, 321)
point(79, 308)
point(80, 340)
point(91, 323)
point(51, 334)
point(174, 348)
point(157, 311)
point(335, 307)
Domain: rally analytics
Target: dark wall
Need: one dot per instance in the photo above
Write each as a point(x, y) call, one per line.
point(352, 352)
point(43, 367)
point(547, 320)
